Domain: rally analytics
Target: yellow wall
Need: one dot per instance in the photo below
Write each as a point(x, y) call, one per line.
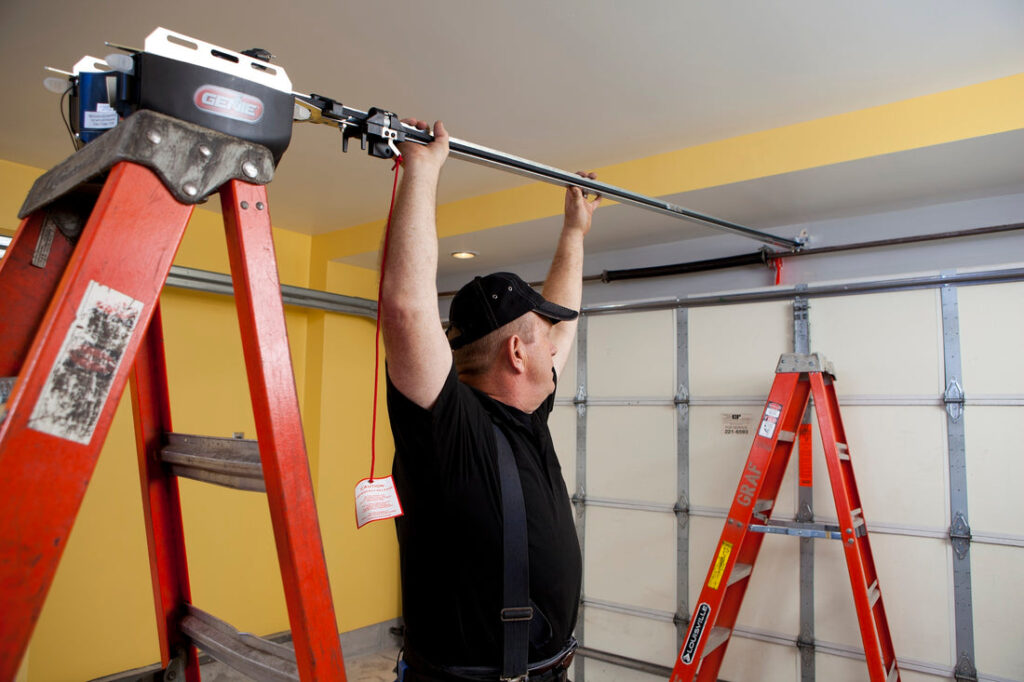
point(98, 618)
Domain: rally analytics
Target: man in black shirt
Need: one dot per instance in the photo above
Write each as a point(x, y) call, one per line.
point(497, 367)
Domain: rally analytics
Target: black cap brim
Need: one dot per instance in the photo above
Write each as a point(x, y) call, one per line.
point(555, 312)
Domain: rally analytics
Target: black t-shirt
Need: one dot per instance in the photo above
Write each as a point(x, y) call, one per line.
point(446, 474)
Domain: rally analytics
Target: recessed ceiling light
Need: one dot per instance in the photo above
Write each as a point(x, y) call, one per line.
point(464, 255)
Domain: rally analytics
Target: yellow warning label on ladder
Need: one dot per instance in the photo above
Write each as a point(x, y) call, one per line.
point(720, 563)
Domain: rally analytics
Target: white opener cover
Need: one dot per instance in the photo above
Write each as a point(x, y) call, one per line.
point(180, 47)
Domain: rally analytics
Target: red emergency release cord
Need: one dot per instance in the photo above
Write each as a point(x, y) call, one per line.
point(380, 304)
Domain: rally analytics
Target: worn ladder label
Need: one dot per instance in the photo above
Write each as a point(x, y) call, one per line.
point(79, 383)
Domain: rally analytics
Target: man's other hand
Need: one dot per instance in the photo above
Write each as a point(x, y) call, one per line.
point(580, 204)
point(432, 155)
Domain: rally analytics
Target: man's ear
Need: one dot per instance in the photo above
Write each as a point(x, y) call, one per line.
point(515, 352)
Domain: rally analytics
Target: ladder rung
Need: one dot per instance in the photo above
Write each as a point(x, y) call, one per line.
point(844, 451)
point(787, 436)
point(739, 572)
point(248, 654)
point(894, 674)
point(231, 462)
point(717, 637)
point(873, 593)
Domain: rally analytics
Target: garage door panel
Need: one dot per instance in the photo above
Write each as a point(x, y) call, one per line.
point(881, 344)
point(749, 660)
point(631, 354)
point(995, 468)
point(991, 329)
point(644, 639)
point(632, 453)
point(734, 349)
point(996, 573)
point(631, 557)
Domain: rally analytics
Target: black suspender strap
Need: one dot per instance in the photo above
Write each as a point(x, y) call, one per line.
point(516, 611)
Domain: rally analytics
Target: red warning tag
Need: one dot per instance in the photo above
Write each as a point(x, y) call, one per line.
point(376, 500)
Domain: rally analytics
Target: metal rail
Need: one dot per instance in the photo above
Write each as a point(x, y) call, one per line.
point(326, 111)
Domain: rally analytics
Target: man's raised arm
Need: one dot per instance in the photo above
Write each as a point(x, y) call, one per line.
point(417, 351)
point(564, 283)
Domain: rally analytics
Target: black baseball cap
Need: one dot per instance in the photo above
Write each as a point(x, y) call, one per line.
point(490, 302)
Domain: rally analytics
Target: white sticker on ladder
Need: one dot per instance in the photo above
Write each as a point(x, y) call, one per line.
point(80, 381)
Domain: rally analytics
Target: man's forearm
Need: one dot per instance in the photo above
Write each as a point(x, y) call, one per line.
point(564, 283)
point(412, 245)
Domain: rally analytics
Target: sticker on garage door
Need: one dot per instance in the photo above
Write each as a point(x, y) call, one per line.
point(80, 381)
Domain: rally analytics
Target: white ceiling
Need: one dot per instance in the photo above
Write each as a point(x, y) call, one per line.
point(573, 84)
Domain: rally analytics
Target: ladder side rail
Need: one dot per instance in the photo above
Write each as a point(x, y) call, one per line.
point(863, 540)
point(27, 288)
point(878, 648)
point(279, 431)
point(737, 545)
point(49, 446)
point(161, 502)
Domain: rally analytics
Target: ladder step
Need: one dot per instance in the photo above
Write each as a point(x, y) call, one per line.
point(718, 636)
point(874, 593)
point(739, 572)
point(844, 451)
point(257, 658)
point(894, 674)
point(787, 436)
point(801, 529)
point(230, 462)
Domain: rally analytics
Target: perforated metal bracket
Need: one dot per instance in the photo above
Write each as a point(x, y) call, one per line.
point(192, 161)
point(792, 363)
point(960, 534)
point(954, 399)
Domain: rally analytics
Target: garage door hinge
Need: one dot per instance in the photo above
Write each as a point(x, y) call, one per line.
point(954, 399)
point(960, 534)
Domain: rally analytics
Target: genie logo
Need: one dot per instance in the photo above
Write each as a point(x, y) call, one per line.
point(700, 621)
point(228, 103)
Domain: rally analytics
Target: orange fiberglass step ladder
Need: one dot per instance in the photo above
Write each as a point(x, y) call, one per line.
point(79, 319)
point(797, 378)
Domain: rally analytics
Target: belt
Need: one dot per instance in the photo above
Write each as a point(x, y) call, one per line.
point(551, 669)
